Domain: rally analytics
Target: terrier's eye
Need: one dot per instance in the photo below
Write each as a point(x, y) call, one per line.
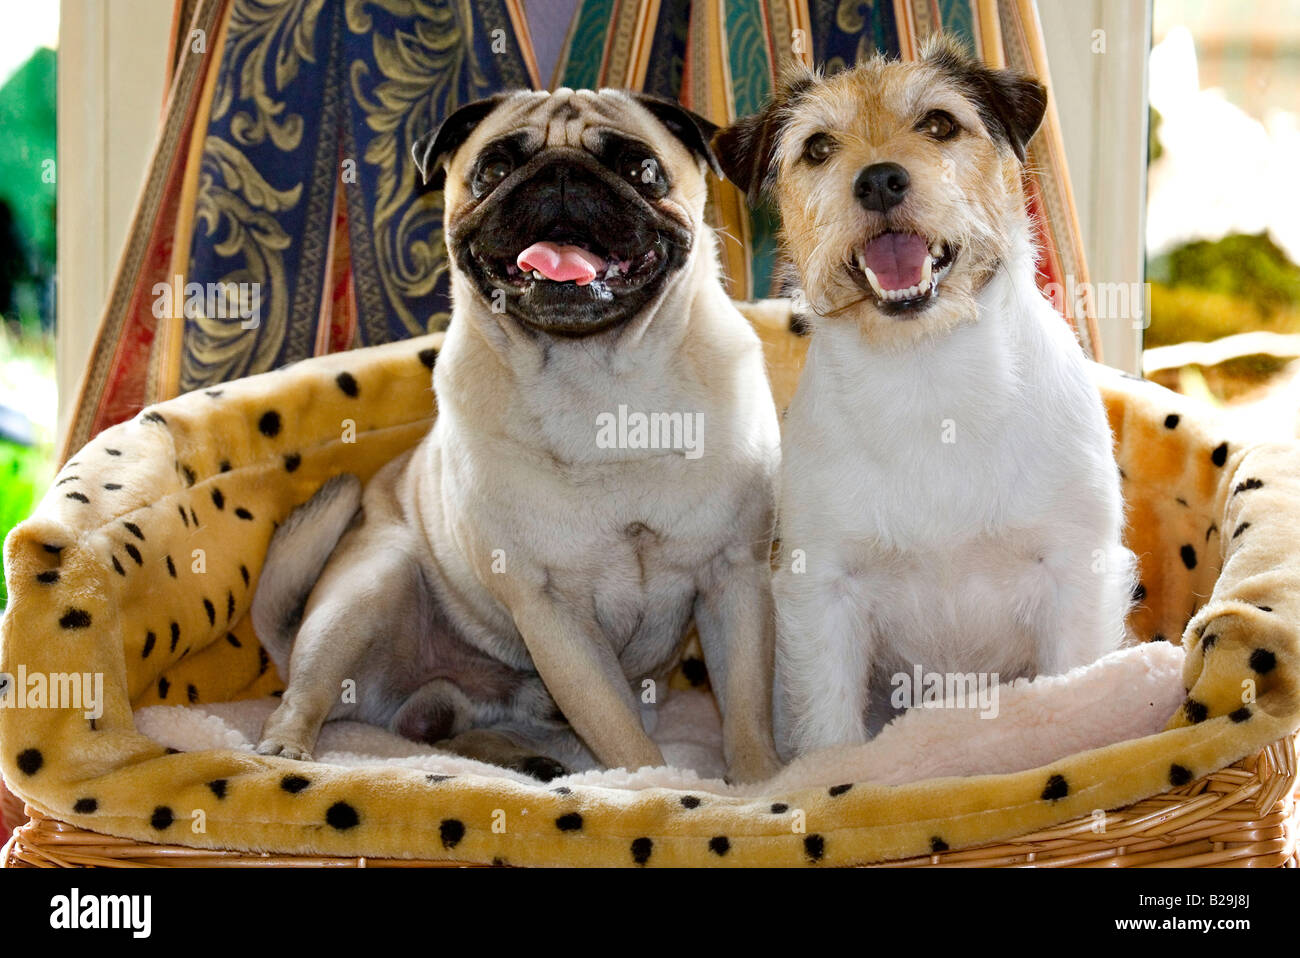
point(938, 125)
point(494, 168)
point(818, 148)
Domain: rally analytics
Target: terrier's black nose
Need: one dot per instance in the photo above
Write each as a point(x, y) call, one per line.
point(881, 186)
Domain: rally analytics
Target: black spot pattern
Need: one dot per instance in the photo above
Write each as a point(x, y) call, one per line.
point(243, 573)
point(720, 845)
point(1057, 788)
point(244, 514)
point(231, 638)
point(690, 801)
point(780, 808)
point(163, 687)
point(641, 847)
point(134, 553)
point(937, 845)
point(1247, 485)
point(162, 818)
point(1207, 643)
point(1197, 712)
point(570, 822)
point(293, 784)
point(1240, 715)
point(75, 619)
point(292, 462)
point(269, 424)
point(190, 477)
point(211, 610)
point(1263, 661)
point(230, 605)
point(86, 806)
point(1171, 421)
point(191, 691)
point(171, 567)
point(1240, 529)
point(218, 787)
point(1178, 775)
point(112, 486)
point(113, 452)
point(429, 356)
point(223, 466)
point(342, 816)
point(154, 417)
point(149, 640)
point(451, 831)
point(348, 383)
point(814, 847)
point(1188, 555)
point(30, 761)
point(1220, 454)
point(132, 528)
point(837, 790)
point(176, 635)
point(184, 518)
point(218, 498)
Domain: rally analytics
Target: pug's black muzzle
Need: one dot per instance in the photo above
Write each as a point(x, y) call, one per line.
point(566, 196)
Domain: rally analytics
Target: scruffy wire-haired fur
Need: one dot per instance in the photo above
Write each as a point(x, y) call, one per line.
point(948, 494)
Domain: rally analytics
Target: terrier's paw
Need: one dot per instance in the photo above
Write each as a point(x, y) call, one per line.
point(539, 767)
point(292, 750)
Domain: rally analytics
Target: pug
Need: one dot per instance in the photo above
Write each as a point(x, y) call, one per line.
point(516, 587)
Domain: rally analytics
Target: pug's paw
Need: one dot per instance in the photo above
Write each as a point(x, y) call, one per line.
point(539, 767)
point(291, 750)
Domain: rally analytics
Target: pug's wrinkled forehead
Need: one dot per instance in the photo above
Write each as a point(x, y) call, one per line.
point(595, 121)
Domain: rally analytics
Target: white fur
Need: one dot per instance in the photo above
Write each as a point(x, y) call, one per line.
point(999, 551)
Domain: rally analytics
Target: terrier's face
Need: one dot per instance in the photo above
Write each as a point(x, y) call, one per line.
point(898, 185)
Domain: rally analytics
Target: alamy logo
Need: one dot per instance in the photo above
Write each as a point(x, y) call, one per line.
point(242, 301)
point(656, 430)
point(74, 910)
point(53, 690)
point(945, 690)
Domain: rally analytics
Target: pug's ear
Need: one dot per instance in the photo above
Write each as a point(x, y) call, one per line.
point(431, 150)
point(746, 148)
point(1011, 105)
point(693, 130)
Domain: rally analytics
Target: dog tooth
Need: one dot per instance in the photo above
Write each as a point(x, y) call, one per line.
point(927, 269)
point(537, 274)
point(936, 250)
point(871, 277)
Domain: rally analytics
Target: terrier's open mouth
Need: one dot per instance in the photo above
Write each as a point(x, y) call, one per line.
point(902, 270)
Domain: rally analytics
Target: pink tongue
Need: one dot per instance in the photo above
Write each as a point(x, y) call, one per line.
point(560, 263)
point(896, 259)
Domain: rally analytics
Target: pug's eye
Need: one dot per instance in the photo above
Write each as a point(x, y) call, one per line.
point(818, 148)
point(491, 171)
point(938, 125)
point(643, 172)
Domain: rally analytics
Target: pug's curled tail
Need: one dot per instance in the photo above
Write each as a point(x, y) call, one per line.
point(294, 561)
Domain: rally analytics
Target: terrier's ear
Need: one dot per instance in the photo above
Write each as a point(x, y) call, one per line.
point(433, 148)
point(693, 130)
point(747, 147)
point(1011, 104)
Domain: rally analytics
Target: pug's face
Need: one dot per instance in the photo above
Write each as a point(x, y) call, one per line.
point(570, 212)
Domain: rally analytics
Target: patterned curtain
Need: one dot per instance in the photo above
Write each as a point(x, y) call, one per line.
point(283, 162)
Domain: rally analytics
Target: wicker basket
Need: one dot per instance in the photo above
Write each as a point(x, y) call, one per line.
point(1242, 816)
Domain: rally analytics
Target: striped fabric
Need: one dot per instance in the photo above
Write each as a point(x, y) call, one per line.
point(283, 160)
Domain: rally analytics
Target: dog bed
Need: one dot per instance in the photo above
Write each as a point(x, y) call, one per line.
point(140, 563)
